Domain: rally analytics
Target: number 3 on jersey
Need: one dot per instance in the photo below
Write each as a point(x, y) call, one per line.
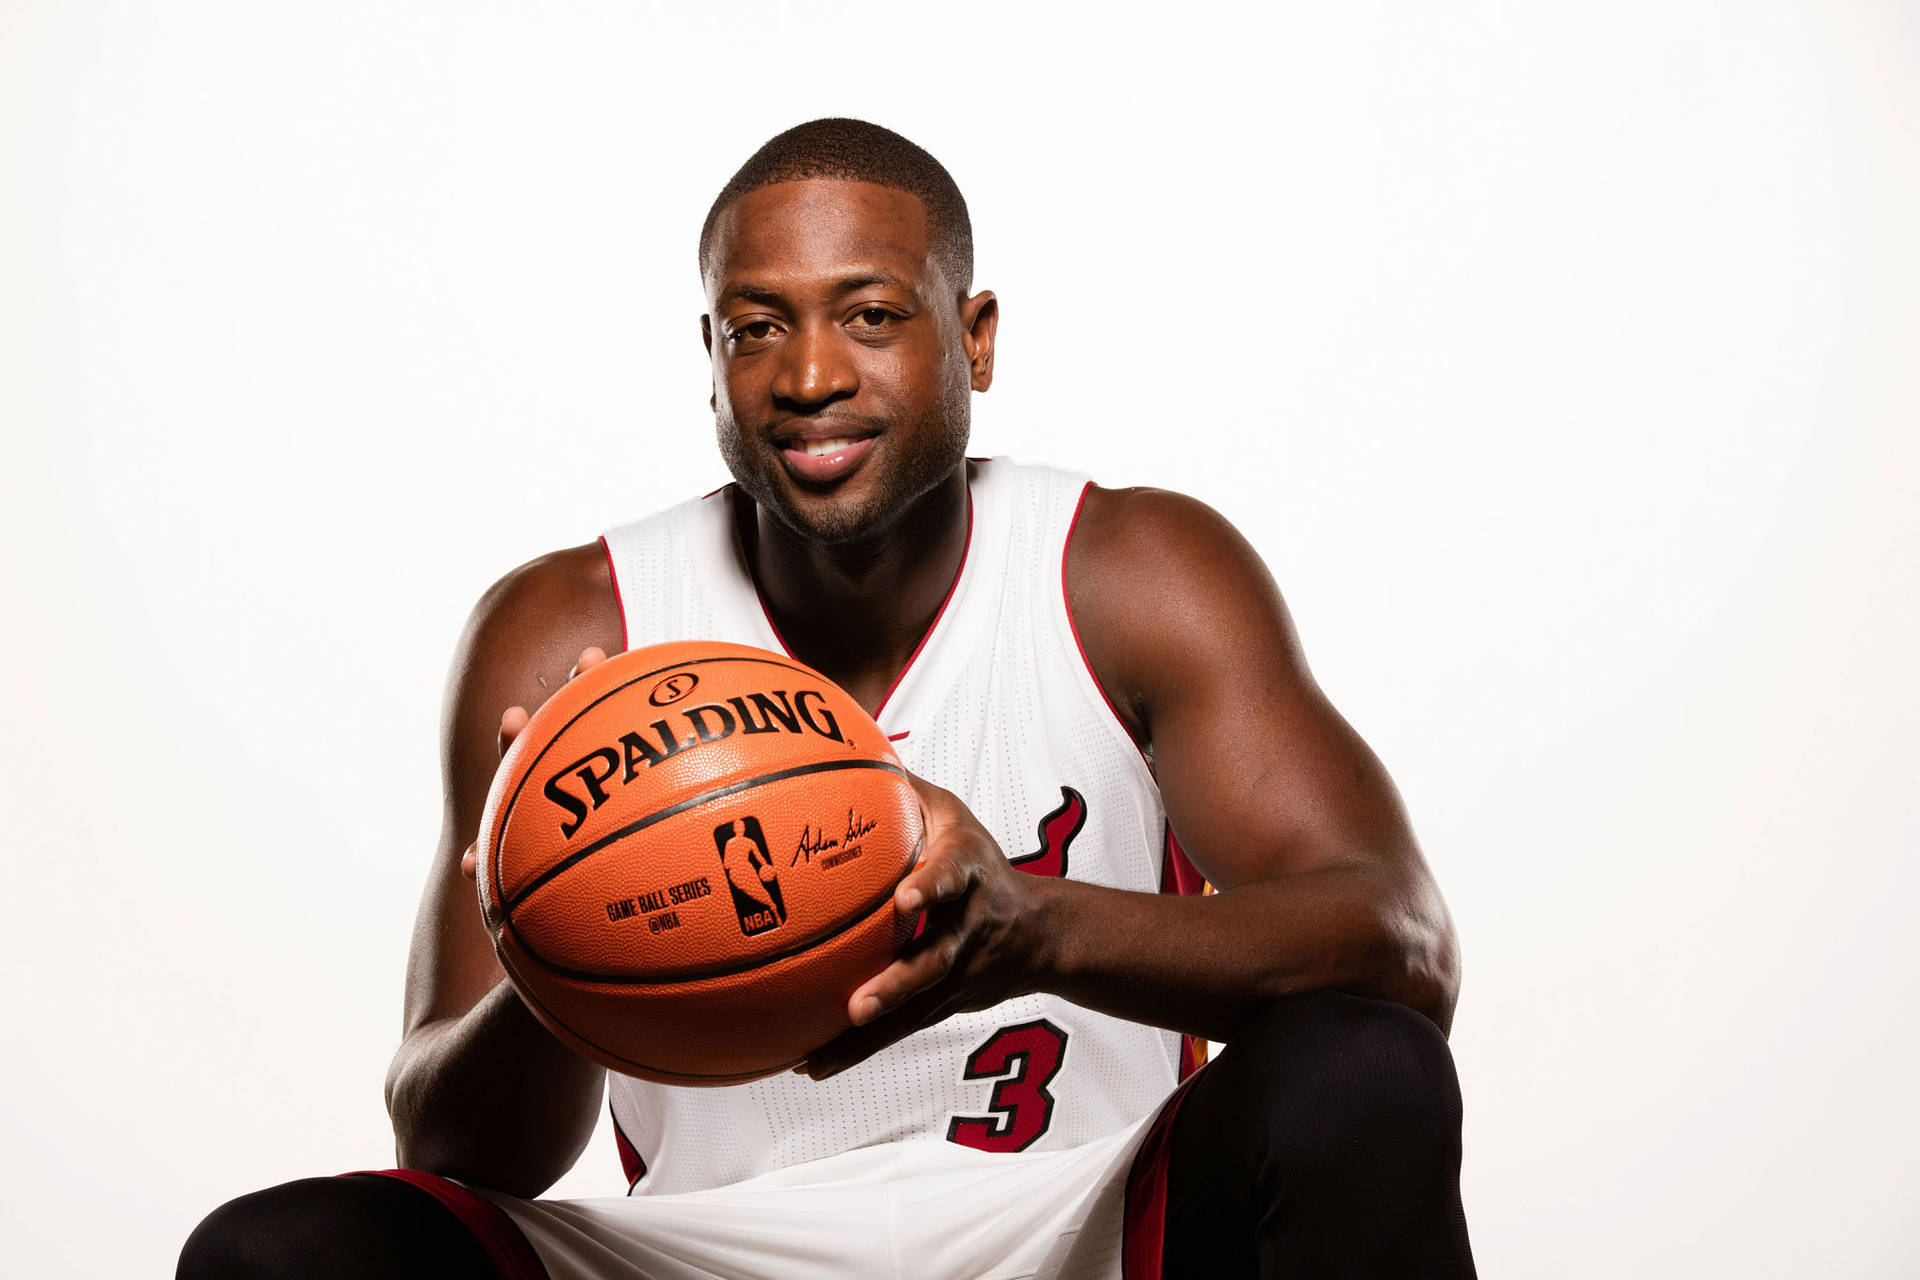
point(1024, 1058)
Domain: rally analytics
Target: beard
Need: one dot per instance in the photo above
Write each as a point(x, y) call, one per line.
point(918, 456)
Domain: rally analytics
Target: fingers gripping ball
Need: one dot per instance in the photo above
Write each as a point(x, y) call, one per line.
point(688, 858)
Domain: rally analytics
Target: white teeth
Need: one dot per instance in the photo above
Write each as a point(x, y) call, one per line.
point(821, 448)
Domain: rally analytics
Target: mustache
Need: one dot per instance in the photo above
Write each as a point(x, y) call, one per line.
point(823, 425)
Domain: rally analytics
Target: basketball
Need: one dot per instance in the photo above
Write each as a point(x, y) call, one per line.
point(687, 861)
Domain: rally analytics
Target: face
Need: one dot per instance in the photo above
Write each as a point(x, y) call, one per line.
point(842, 358)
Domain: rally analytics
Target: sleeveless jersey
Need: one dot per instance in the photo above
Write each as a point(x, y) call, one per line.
point(998, 706)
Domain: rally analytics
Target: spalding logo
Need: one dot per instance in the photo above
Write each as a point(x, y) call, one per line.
point(673, 688)
point(581, 787)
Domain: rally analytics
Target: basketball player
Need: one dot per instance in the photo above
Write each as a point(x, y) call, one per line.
point(1106, 701)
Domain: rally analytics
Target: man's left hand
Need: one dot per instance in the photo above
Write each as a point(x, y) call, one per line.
point(981, 943)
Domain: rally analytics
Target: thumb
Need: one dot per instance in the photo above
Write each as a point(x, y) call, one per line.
point(512, 721)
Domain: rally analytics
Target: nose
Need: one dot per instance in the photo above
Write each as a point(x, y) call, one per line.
point(814, 368)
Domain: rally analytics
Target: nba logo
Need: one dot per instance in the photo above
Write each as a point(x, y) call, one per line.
point(750, 875)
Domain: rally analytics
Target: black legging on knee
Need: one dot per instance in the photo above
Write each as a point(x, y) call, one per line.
point(362, 1225)
point(1324, 1142)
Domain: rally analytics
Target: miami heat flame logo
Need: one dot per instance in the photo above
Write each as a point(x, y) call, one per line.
point(1057, 831)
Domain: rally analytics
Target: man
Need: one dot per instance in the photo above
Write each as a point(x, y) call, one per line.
point(1090, 671)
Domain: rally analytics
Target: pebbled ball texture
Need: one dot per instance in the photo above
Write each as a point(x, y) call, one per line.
point(688, 858)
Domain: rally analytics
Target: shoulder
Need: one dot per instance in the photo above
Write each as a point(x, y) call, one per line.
point(537, 617)
point(1161, 586)
point(566, 581)
point(1154, 528)
point(522, 638)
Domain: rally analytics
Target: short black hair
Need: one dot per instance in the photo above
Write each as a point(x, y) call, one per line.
point(856, 151)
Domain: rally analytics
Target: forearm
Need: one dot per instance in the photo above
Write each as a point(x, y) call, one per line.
point(491, 1097)
point(1201, 965)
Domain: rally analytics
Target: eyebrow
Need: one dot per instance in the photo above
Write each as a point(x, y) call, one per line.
point(846, 284)
point(748, 292)
point(879, 275)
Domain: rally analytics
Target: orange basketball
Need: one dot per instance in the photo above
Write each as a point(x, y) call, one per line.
point(688, 858)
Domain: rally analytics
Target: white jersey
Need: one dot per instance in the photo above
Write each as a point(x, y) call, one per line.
point(997, 705)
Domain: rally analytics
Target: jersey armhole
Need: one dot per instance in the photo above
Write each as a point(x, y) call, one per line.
point(619, 598)
point(1073, 630)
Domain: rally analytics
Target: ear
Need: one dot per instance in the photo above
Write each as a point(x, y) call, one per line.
point(980, 321)
point(706, 340)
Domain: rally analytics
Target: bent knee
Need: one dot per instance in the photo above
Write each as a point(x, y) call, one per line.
point(362, 1226)
point(251, 1234)
point(1362, 1066)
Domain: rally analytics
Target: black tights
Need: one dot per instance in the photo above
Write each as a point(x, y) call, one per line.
point(1324, 1143)
point(363, 1226)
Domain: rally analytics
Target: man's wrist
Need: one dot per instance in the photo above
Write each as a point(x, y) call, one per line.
point(1053, 917)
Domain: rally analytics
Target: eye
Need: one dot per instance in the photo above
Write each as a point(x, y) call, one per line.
point(873, 317)
point(752, 331)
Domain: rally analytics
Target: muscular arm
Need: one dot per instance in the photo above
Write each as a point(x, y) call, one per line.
point(478, 1089)
point(1273, 795)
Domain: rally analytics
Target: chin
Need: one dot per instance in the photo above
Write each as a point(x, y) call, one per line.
point(830, 520)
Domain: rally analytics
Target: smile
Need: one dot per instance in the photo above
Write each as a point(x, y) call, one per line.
point(824, 460)
point(821, 448)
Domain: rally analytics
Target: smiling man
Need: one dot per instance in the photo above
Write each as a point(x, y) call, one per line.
point(1106, 702)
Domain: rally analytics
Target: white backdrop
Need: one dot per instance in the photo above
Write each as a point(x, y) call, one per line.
point(1563, 361)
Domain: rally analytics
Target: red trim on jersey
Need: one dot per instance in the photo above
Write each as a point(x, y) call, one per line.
point(895, 737)
point(945, 600)
point(631, 1162)
point(1177, 872)
point(618, 599)
point(498, 1235)
point(1144, 1231)
point(925, 636)
point(1178, 875)
point(1193, 1055)
point(771, 624)
point(1074, 627)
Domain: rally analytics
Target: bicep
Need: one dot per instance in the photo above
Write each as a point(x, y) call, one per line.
point(1261, 776)
point(518, 646)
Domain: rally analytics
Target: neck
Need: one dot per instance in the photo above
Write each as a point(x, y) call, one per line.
point(857, 611)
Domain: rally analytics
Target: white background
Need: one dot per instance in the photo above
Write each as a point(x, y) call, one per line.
point(1563, 361)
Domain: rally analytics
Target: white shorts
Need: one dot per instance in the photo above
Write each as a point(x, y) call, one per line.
point(919, 1210)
